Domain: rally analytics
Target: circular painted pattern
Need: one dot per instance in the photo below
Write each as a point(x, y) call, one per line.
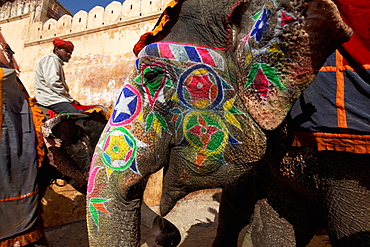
point(200, 88)
point(119, 149)
point(128, 106)
point(205, 131)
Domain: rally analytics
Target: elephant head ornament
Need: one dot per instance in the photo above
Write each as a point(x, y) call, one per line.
point(210, 80)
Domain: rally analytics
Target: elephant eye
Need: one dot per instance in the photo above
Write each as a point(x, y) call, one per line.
point(152, 74)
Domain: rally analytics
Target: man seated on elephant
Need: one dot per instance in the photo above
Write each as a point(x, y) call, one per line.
point(52, 91)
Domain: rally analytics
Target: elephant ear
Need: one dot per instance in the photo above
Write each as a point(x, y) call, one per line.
point(280, 46)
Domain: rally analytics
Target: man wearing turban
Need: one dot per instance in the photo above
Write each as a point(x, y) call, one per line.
point(52, 92)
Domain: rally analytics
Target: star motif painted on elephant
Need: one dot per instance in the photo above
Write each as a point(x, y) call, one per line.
point(128, 106)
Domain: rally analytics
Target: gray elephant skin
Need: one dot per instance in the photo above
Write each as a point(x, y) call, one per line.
point(207, 101)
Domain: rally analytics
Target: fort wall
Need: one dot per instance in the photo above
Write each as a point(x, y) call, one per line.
point(103, 39)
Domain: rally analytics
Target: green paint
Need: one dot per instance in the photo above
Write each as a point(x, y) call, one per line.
point(154, 81)
point(268, 71)
point(94, 214)
point(234, 110)
point(149, 121)
point(252, 74)
point(256, 16)
point(161, 120)
point(271, 75)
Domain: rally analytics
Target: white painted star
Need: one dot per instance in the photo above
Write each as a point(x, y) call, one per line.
point(122, 105)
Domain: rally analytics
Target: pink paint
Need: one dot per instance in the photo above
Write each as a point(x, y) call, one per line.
point(165, 51)
point(246, 38)
point(287, 19)
point(92, 177)
point(201, 46)
point(128, 156)
point(206, 57)
point(107, 143)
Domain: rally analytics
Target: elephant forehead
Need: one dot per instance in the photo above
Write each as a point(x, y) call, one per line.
point(185, 53)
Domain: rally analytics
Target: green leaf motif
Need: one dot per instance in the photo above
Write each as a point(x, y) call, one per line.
point(272, 75)
point(94, 214)
point(178, 122)
point(98, 200)
point(169, 83)
point(177, 112)
point(268, 71)
point(233, 110)
point(252, 74)
point(138, 79)
point(161, 120)
point(149, 121)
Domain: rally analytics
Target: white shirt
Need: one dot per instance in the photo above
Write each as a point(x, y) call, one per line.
point(50, 84)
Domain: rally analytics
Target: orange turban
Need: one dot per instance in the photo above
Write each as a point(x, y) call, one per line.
point(63, 44)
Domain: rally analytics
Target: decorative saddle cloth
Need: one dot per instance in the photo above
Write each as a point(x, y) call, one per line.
point(333, 113)
point(18, 164)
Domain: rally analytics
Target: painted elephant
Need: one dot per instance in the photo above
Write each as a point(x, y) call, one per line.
point(213, 84)
point(70, 140)
point(28, 168)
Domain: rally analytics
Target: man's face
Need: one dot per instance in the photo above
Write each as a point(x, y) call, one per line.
point(63, 54)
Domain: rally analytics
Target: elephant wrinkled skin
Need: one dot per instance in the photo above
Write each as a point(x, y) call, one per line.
point(70, 139)
point(213, 82)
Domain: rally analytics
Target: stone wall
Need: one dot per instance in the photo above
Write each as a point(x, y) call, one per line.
point(103, 39)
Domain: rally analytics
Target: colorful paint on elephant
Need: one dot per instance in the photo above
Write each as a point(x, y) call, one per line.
point(184, 88)
point(96, 204)
point(187, 78)
point(262, 75)
point(127, 108)
point(202, 97)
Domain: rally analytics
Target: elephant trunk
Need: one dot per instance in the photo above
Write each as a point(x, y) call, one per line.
point(166, 234)
point(116, 196)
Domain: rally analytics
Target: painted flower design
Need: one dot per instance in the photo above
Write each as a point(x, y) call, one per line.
point(119, 149)
point(206, 132)
point(201, 89)
point(261, 76)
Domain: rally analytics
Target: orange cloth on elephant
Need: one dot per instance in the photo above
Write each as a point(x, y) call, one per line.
point(63, 44)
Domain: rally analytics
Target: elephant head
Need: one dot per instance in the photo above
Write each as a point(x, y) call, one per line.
point(210, 81)
point(70, 140)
